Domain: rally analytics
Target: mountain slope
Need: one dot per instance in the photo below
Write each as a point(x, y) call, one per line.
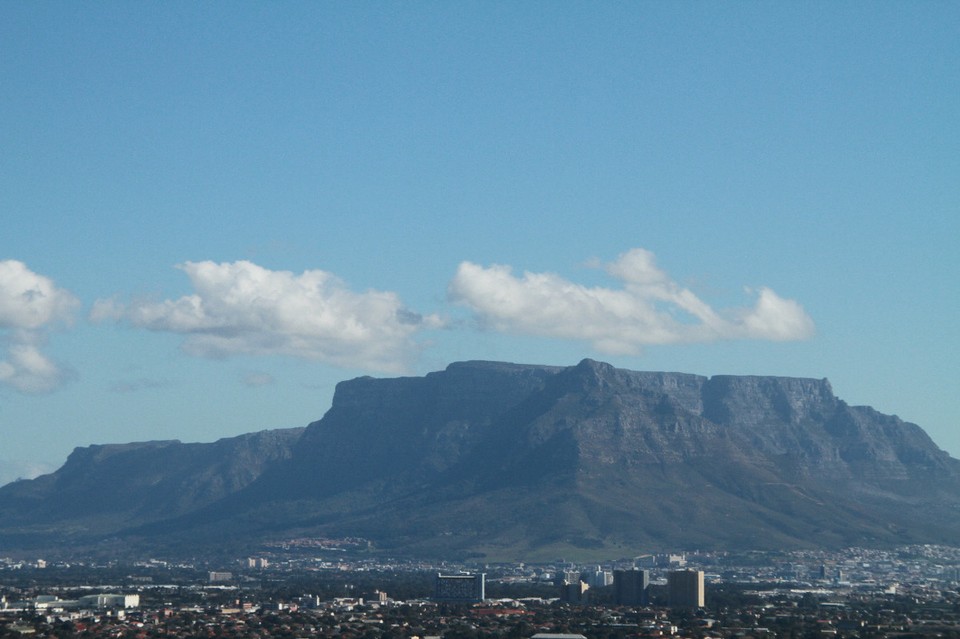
point(103, 488)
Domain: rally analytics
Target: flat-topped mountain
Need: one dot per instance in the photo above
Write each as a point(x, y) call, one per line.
point(514, 461)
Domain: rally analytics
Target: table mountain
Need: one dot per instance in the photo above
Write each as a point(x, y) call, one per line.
point(513, 461)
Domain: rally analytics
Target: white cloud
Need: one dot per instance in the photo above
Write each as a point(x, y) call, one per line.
point(29, 301)
point(242, 308)
point(649, 308)
point(776, 318)
point(30, 305)
point(30, 371)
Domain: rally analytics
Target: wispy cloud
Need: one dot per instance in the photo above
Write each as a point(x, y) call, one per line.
point(136, 385)
point(648, 308)
point(30, 306)
point(258, 378)
point(242, 308)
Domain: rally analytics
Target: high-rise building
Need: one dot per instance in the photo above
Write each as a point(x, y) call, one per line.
point(600, 578)
point(575, 592)
point(685, 589)
point(220, 576)
point(569, 576)
point(460, 588)
point(631, 587)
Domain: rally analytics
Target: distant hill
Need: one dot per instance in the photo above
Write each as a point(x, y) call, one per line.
point(103, 489)
point(505, 461)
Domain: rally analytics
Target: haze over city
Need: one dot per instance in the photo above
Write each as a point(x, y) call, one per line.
point(213, 214)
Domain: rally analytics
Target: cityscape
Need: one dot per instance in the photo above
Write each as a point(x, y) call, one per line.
point(909, 591)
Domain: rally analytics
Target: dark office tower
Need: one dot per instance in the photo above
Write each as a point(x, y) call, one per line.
point(463, 588)
point(685, 589)
point(631, 587)
point(576, 593)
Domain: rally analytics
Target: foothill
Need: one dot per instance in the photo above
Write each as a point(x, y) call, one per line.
point(909, 591)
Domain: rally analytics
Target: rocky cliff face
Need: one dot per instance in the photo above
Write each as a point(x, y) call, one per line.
point(415, 427)
point(514, 461)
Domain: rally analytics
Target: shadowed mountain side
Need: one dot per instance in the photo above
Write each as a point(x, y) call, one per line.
point(510, 461)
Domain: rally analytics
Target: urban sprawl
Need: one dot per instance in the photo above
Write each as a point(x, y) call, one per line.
point(309, 588)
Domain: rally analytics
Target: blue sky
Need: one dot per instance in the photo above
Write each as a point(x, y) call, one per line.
point(213, 213)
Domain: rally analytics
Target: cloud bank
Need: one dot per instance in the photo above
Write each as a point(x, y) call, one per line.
point(30, 306)
point(242, 308)
point(648, 308)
